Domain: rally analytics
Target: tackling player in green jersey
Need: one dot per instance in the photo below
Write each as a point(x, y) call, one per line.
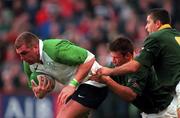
point(161, 50)
point(141, 88)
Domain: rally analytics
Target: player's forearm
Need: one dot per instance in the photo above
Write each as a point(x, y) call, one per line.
point(124, 92)
point(83, 70)
point(129, 67)
point(178, 112)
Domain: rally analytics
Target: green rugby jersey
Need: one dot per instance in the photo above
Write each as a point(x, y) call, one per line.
point(60, 59)
point(162, 50)
point(149, 93)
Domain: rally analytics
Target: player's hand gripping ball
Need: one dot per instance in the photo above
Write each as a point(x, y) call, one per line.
point(42, 84)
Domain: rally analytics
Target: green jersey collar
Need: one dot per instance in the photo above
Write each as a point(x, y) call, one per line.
point(164, 26)
point(40, 48)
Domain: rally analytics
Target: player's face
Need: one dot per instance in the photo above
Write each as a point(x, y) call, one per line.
point(29, 55)
point(151, 25)
point(118, 59)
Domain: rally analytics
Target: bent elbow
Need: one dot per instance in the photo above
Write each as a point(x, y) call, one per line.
point(131, 98)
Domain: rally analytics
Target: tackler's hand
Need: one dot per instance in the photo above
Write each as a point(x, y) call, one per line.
point(104, 71)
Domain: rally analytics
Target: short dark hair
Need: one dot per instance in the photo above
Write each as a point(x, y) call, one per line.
point(160, 14)
point(121, 44)
point(26, 38)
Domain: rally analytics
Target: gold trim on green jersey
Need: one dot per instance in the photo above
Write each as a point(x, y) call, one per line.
point(165, 26)
point(177, 39)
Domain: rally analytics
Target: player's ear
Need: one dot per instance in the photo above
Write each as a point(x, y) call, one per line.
point(128, 56)
point(158, 24)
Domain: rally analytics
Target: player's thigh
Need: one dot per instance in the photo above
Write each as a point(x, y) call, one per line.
point(73, 109)
point(85, 98)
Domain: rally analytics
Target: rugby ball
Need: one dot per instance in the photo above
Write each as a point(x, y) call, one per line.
point(33, 78)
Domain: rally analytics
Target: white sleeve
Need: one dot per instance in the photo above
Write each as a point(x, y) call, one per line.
point(95, 67)
point(89, 56)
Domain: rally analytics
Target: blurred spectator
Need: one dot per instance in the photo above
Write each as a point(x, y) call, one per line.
point(103, 56)
point(12, 76)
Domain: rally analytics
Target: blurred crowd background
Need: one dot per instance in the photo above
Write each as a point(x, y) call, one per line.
point(88, 23)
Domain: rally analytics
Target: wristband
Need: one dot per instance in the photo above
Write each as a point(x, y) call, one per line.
point(74, 83)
